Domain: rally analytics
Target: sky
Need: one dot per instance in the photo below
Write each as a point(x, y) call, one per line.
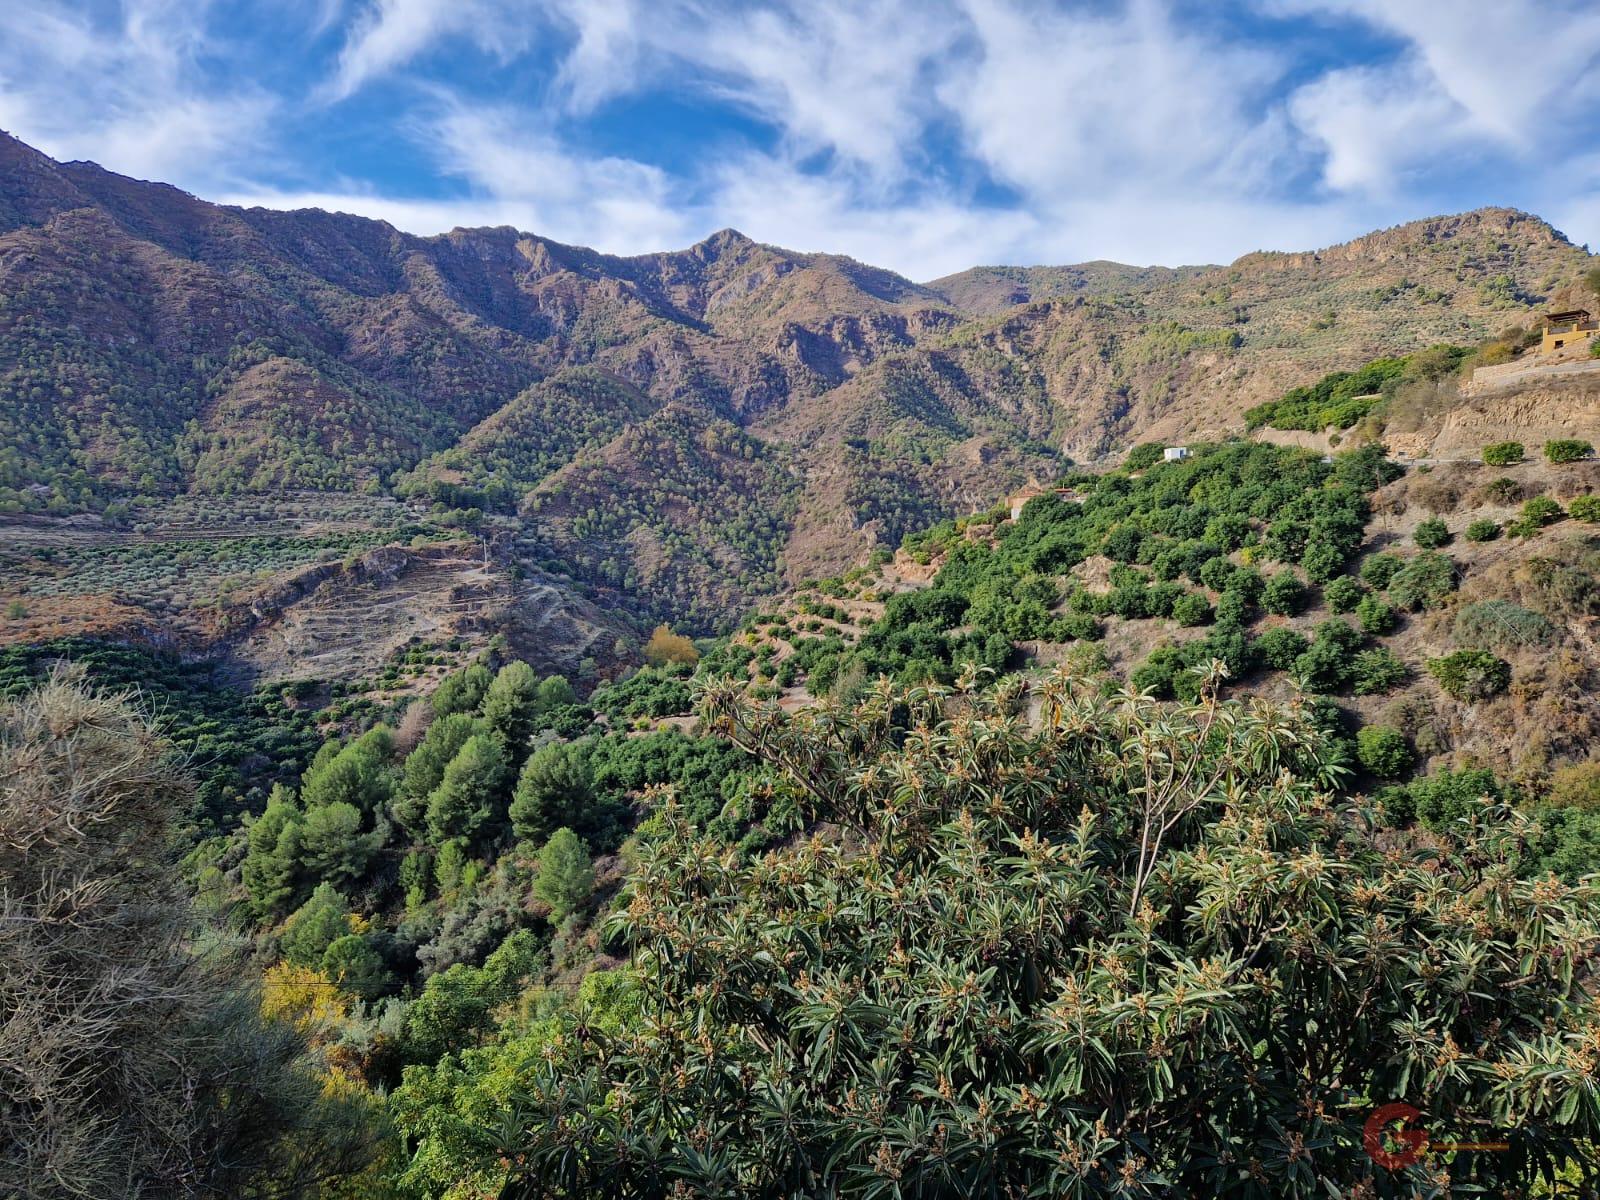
point(921, 135)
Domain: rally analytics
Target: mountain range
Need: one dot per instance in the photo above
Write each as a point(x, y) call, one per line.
point(684, 430)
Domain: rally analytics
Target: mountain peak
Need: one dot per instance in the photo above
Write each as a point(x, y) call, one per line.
point(722, 243)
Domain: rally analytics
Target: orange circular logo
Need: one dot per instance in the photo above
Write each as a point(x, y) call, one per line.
point(1393, 1135)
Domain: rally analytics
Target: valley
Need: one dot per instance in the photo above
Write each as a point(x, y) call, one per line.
point(740, 722)
point(610, 412)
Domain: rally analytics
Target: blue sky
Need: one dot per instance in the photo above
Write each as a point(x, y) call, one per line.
point(922, 135)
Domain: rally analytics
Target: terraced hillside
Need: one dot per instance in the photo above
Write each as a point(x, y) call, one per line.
point(674, 432)
point(1453, 607)
point(310, 586)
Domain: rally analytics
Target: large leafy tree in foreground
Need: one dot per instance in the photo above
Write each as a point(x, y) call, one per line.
point(1053, 944)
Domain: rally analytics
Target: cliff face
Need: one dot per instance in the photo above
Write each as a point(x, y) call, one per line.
point(153, 344)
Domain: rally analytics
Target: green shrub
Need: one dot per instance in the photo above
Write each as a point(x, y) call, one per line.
point(1322, 560)
point(1487, 624)
point(1541, 511)
point(1384, 751)
point(1284, 594)
point(1378, 569)
point(1431, 534)
point(1585, 508)
point(1328, 664)
point(1143, 456)
point(829, 1095)
point(1377, 671)
point(1446, 797)
point(1577, 786)
point(1191, 609)
point(1424, 582)
point(1376, 615)
point(1567, 450)
point(1279, 647)
point(1504, 490)
point(1503, 454)
point(1483, 530)
point(1342, 594)
point(1471, 674)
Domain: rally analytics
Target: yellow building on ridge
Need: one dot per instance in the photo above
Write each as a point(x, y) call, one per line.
point(1567, 328)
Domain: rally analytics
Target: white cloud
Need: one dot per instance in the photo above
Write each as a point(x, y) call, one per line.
point(837, 75)
point(923, 135)
point(924, 237)
point(610, 46)
point(1503, 63)
point(1377, 126)
point(1067, 105)
point(1499, 78)
point(504, 155)
point(123, 94)
point(391, 33)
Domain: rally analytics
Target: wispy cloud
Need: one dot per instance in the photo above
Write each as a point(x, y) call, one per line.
point(124, 92)
point(389, 34)
point(921, 134)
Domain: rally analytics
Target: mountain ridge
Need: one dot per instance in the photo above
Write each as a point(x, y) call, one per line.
point(153, 344)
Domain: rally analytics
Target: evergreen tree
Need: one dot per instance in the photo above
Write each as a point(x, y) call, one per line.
point(462, 692)
point(511, 706)
point(352, 963)
point(332, 846)
point(424, 766)
point(555, 788)
point(315, 925)
point(554, 692)
point(566, 874)
point(271, 867)
point(469, 793)
point(1125, 949)
point(358, 775)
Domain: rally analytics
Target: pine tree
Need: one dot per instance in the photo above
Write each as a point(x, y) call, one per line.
point(332, 846)
point(424, 766)
point(462, 692)
point(554, 789)
point(359, 774)
point(566, 874)
point(271, 865)
point(352, 963)
point(466, 798)
point(315, 925)
point(511, 706)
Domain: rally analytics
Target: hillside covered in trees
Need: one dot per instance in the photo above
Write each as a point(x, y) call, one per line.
point(481, 717)
point(1026, 931)
point(1171, 806)
point(606, 414)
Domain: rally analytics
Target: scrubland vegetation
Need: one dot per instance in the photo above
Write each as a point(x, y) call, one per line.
point(962, 923)
point(1141, 846)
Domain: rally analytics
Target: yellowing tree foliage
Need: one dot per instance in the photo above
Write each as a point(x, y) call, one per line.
point(666, 647)
point(302, 996)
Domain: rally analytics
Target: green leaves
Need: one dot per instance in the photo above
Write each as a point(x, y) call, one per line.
point(1118, 949)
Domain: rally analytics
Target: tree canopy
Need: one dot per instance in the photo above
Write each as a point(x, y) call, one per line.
point(1132, 950)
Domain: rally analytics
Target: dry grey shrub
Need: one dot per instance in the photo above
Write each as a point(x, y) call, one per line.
point(131, 1063)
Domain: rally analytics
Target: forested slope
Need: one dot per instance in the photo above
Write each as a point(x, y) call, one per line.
point(153, 344)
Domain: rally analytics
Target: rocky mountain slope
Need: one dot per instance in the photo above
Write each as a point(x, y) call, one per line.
point(679, 431)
